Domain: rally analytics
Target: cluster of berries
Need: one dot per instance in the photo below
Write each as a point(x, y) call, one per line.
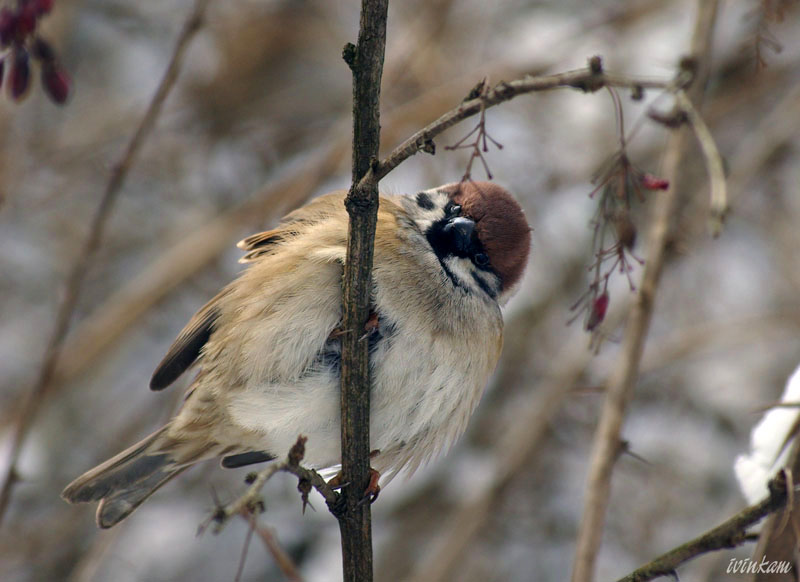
point(20, 42)
point(621, 185)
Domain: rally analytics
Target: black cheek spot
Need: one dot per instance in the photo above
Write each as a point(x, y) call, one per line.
point(424, 201)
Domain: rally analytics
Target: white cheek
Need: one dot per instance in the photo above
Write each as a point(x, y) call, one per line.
point(426, 218)
point(466, 273)
point(462, 269)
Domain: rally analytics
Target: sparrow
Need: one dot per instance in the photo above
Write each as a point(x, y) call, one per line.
point(267, 347)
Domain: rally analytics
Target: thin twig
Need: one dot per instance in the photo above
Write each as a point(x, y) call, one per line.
point(251, 498)
point(479, 145)
point(621, 383)
point(716, 171)
point(588, 80)
point(251, 520)
point(729, 534)
point(250, 504)
point(76, 277)
point(282, 559)
point(90, 562)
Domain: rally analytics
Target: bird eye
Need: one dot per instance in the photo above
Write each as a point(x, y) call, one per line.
point(481, 259)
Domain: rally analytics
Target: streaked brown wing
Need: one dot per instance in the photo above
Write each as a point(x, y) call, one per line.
point(186, 348)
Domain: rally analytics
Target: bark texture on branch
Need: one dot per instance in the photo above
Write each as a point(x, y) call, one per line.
point(366, 62)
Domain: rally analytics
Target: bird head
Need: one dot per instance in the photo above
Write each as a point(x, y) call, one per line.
point(478, 232)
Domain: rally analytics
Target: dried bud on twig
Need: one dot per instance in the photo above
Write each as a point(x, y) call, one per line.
point(8, 25)
point(42, 50)
point(672, 119)
point(56, 83)
point(598, 311)
point(625, 230)
point(20, 74)
point(480, 144)
point(298, 451)
point(652, 182)
point(304, 487)
point(619, 185)
point(26, 20)
point(42, 7)
point(17, 30)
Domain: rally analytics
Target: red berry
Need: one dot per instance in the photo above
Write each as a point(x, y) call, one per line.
point(26, 20)
point(42, 6)
point(20, 74)
point(598, 311)
point(8, 24)
point(652, 182)
point(57, 84)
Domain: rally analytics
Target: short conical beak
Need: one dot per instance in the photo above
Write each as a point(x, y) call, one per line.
point(460, 229)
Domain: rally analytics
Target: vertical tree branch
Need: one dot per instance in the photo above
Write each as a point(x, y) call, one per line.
point(607, 442)
point(366, 62)
point(76, 277)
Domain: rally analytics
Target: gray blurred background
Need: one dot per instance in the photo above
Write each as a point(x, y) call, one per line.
point(260, 122)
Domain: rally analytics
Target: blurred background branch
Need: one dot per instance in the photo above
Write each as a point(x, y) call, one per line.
point(625, 374)
point(74, 282)
point(729, 534)
point(721, 341)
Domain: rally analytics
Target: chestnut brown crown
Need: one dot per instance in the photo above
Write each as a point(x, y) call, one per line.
point(500, 225)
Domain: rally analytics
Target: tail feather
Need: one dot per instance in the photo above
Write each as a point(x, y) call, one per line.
point(119, 505)
point(123, 482)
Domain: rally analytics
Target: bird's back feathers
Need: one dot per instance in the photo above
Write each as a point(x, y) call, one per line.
point(188, 346)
